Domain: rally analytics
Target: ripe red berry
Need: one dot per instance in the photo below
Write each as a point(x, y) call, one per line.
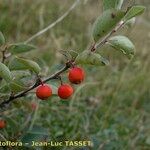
point(76, 75)
point(43, 91)
point(65, 91)
point(2, 124)
point(33, 106)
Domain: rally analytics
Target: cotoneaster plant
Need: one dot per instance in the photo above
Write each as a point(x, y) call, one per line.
point(16, 70)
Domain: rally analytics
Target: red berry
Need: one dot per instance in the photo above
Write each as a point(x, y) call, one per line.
point(43, 92)
point(65, 91)
point(76, 75)
point(33, 106)
point(2, 124)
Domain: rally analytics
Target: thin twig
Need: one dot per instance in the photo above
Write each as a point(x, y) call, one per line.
point(54, 23)
point(103, 41)
point(3, 56)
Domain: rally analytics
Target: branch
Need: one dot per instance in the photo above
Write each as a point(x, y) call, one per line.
point(37, 83)
point(103, 41)
point(54, 23)
point(68, 64)
point(3, 56)
point(3, 51)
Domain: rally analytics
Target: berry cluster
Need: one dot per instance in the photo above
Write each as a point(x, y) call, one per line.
point(76, 76)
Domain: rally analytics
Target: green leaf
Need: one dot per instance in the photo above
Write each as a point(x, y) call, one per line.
point(13, 86)
point(109, 4)
point(19, 74)
point(16, 86)
point(70, 54)
point(123, 44)
point(14, 64)
point(134, 11)
point(73, 54)
point(20, 48)
point(37, 133)
point(105, 23)
point(5, 72)
point(26, 64)
point(91, 58)
point(2, 38)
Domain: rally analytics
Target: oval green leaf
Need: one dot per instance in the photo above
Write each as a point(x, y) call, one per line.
point(2, 38)
point(5, 72)
point(69, 54)
point(91, 58)
point(19, 74)
point(73, 54)
point(5, 88)
point(105, 23)
point(14, 64)
point(31, 65)
point(134, 11)
point(16, 86)
point(20, 48)
point(109, 4)
point(123, 44)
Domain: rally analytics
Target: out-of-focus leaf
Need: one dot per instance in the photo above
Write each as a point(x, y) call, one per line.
point(20, 48)
point(148, 140)
point(123, 44)
point(106, 22)
point(133, 11)
point(91, 58)
point(2, 38)
point(5, 72)
point(108, 4)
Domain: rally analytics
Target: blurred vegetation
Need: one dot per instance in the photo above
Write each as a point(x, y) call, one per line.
point(112, 107)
